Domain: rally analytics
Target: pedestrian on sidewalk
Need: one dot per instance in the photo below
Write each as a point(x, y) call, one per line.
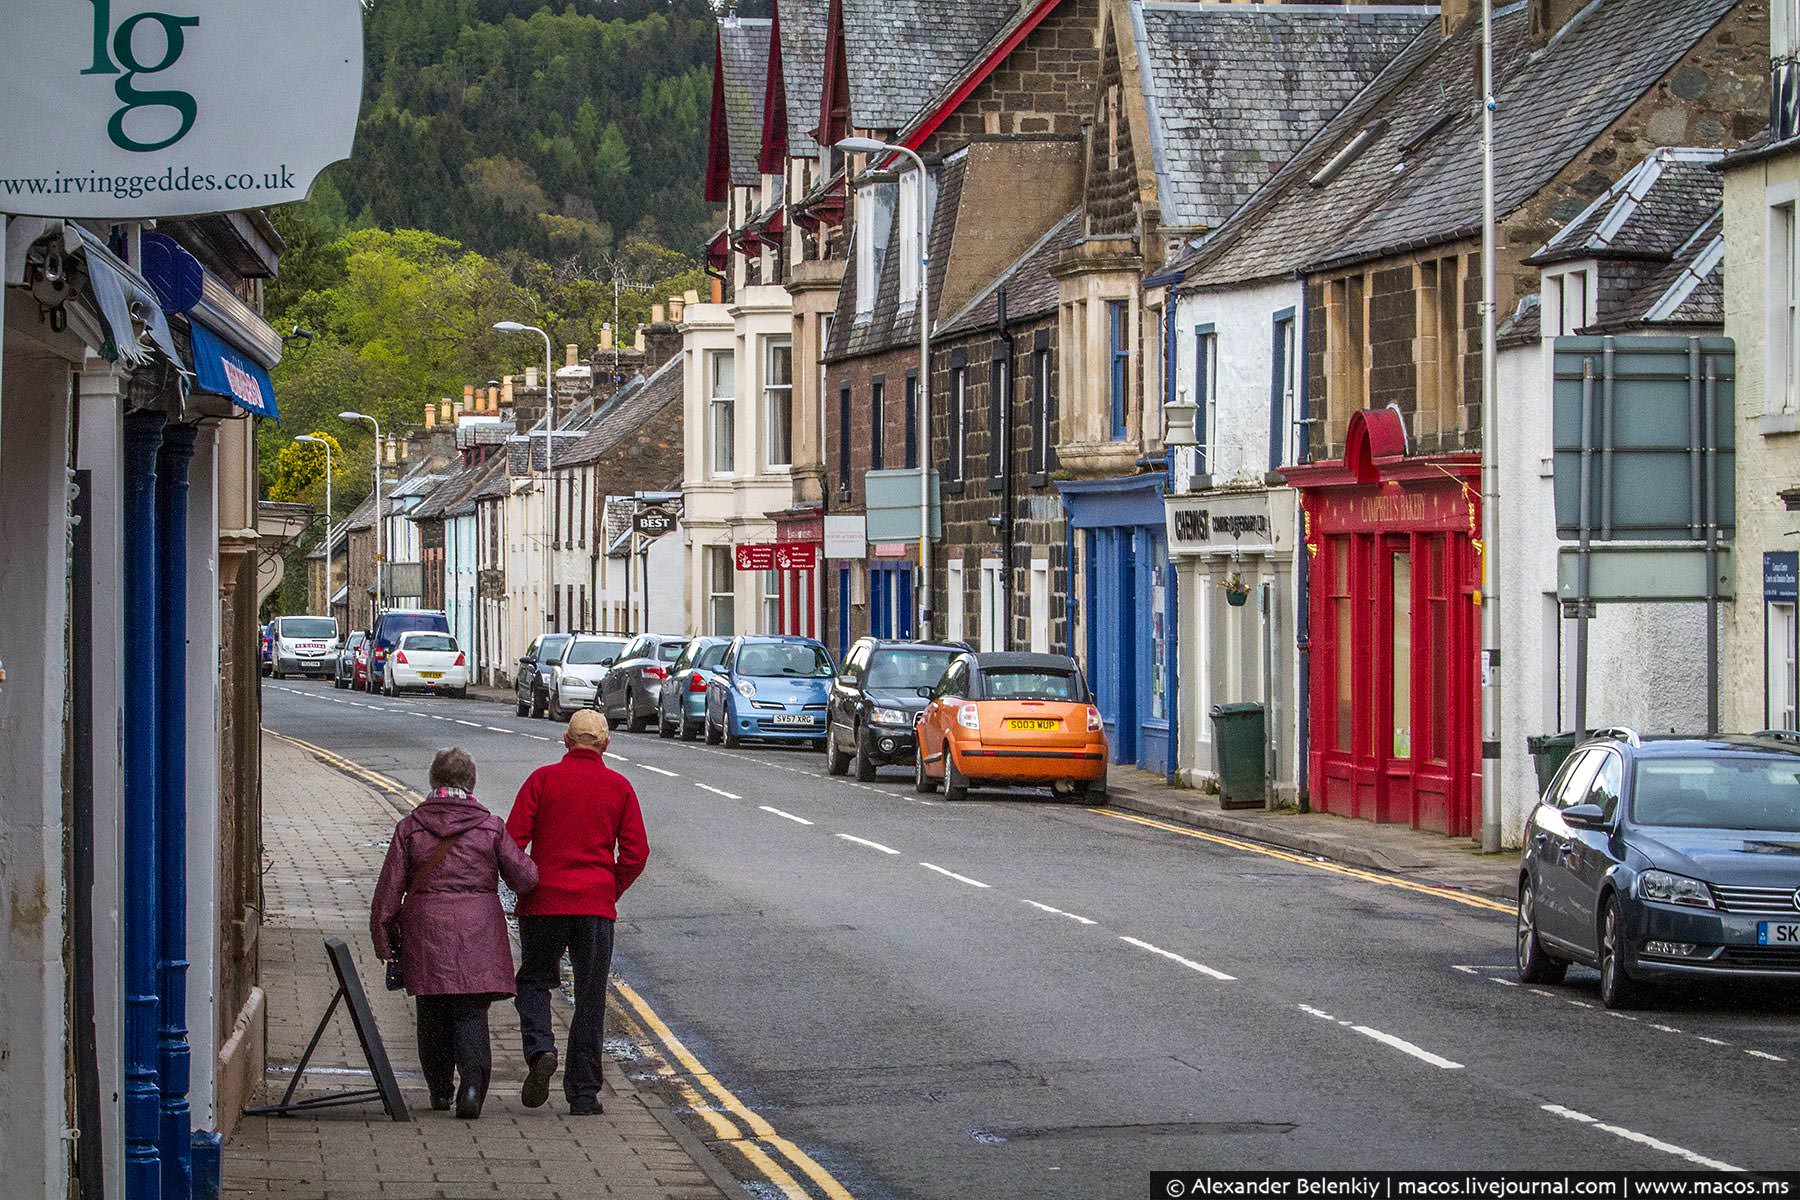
point(581, 821)
point(437, 906)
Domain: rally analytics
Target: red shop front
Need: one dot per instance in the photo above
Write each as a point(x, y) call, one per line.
point(1393, 543)
point(799, 547)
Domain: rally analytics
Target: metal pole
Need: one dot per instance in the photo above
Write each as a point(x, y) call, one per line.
point(1490, 462)
point(1712, 548)
point(924, 633)
point(1584, 534)
point(549, 475)
point(380, 525)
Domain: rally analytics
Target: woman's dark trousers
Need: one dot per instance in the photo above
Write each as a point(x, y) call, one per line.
point(453, 1037)
point(589, 941)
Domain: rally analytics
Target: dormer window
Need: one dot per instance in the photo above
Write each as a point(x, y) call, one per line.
point(909, 239)
point(874, 210)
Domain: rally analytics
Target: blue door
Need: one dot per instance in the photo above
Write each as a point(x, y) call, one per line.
point(890, 600)
point(843, 610)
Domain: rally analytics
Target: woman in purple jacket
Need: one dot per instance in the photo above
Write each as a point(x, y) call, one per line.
point(437, 905)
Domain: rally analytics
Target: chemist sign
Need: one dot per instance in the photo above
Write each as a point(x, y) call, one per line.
point(131, 109)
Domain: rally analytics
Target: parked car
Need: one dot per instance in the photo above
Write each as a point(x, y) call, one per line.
point(574, 681)
point(345, 669)
point(631, 691)
point(769, 688)
point(1012, 720)
point(532, 677)
point(875, 701)
point(681, 707)
point(359, 678)
point(426, 661)
point(266, 651)
point(302, 645)
point(1659, 859)
point(389, 625)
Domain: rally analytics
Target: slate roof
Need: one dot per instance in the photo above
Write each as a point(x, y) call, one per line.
point(1233, 91)
point(1031, 290)
point(744, 80)
point(802, 50)
point(448, 490)
point(1649, 213)
point(900, 53)
point(1690, 289)
point(1415, 179)
point(1025, 12)
point(639, 402)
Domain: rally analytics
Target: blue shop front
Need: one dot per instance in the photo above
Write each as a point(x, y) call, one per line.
point(1124, 611)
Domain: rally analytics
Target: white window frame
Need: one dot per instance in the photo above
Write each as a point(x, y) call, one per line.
point(1784, 28)
point(909, 240)
point(771, 601)
point(1782, 706)
point(778, 400)
point(959, 415)
point(1206, 394)
point(871, 217)
point(992, 617)
point(1782, 380)
point(1040, 606)
point(714, 596)
point(954, 621)
point(721, 416)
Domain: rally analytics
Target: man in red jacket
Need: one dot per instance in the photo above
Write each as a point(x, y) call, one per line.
point(580, 821)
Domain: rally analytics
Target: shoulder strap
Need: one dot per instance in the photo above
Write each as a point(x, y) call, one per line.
point(423, 871)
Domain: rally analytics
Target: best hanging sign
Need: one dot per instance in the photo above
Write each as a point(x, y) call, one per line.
point(133, 109)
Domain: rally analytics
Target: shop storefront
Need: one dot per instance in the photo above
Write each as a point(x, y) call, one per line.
point(1233, 555)
point(799, 556)
point(1395, 712)
point(1126, 611)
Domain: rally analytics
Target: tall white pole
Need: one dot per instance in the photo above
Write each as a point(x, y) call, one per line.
point(1490, 462)
point(923, 439)
point(549, 476)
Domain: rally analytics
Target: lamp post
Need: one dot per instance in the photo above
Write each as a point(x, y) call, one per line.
point(319, 441)
point(380, 519)
point(863, 145)
point(549, 431)
point(1490, 462)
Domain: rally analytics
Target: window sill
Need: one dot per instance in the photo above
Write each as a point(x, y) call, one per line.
point(1039, 479)
point(951, 488)
point(1776, 424)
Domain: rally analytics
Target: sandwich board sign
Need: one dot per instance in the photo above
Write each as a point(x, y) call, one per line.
point(132, 109)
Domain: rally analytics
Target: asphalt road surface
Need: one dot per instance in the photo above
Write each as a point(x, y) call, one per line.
point(1011, 997)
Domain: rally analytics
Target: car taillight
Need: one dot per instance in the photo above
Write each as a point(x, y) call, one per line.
point(462, 660)
point(696, 682)
point(1095, 724)
point(400, 657)
point(655, 672)
point(969, 717)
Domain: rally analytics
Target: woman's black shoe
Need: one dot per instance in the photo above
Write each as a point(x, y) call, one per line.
point(468, 1101)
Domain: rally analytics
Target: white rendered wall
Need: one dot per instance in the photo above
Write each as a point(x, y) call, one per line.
point(203, 738)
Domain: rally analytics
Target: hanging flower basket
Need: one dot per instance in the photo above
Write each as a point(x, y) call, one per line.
point(1237, 591)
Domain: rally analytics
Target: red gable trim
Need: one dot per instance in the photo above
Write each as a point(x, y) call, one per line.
point(976, 77)
point(718, 142)
point(834, 95)
point(772, 158)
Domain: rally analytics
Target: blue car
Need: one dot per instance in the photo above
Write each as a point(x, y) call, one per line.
point(681, 706)
point(1663, 859)
point(770, 689)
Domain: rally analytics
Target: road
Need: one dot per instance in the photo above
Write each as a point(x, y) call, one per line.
point(1007, 996)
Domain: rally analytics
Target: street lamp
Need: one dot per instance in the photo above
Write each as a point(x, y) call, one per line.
point(379, 521)
point(325, 442)
point(863, 145)
point(549, 428)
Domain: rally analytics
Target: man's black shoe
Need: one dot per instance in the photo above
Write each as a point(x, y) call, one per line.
point(537, 1079)
point(468, 1101)
point(440, 1103)
point(587, 1110)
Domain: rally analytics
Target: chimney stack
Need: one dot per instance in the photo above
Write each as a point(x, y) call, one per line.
point(637, 342)
point(606, 339)
point(430, 415)
point(677, 309)
point(662, 340)
point(1549, 16)
point(656, 314)
point(531, 379)
point(1454, 12)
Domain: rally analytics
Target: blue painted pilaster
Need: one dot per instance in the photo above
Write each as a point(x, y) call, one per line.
point(170, 647)
point(138, 932)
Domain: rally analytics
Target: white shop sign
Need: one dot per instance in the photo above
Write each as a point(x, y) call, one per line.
point(1259, 522)
point(132, 109)
point(846, 537)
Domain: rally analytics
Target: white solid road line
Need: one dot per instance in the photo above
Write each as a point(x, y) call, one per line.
point(953, 875)
point(1642, 1139)
point(1189, 963)
point(1386, 1039)
point(707, 787)
point(866, 842)
point(785, 815)
point(1059, 912)
point(659, 771)
point(1765, 1054)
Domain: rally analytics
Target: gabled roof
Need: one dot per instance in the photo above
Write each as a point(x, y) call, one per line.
point(986, 59)
point(1690, 288)
point(740, 84)
point(1400, 167)
point(1031, 290)
point(639, 402)
point(1651, 212)
point(448, 490)
point(795, 74)
point(900, 53)
point(1233, 91)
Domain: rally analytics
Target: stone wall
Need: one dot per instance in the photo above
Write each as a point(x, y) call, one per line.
point(1046, 85)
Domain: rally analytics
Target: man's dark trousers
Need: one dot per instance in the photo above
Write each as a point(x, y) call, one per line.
point(589, 941)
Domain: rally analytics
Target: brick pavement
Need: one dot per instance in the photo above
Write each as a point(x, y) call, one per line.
point(325, 836)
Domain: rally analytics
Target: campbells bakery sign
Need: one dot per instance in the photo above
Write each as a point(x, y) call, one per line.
point(130, 109)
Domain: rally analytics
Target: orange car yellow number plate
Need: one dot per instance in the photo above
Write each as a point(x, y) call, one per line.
point(1029, 723)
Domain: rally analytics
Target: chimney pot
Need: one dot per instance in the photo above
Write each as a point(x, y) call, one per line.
point(531, 379)
point(446, 412)
point(656, 314)
point(690, 297)
point(606, 337)
point(430, 415)
point(638, 342)
point(468, 393)
point(571, 355)
point(677, 309)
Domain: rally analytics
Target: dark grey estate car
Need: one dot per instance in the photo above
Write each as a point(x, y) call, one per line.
point(631, 691)
point(531, 682)
point(876, 700)
point(1664, 858)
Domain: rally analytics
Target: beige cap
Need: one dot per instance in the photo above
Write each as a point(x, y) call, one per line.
point(588, 728)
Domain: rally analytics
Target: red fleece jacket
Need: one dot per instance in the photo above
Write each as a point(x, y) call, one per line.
point(579, 819)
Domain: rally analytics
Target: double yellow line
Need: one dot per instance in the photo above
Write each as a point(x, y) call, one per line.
point(731, 1120)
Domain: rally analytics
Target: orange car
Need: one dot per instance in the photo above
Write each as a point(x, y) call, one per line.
point(1012, 720)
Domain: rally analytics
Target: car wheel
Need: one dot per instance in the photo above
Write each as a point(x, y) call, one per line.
point(523, 709)
point(1091, 792)
point(922, 783)
point(338, 683)
point(956, 784)
point(731, 740)
point(553, 709)
point(686, 731)
point(387, 686)
point(538, 707)
point(461, 693)
point(836, 761)
point(1617, 989)
point(863, 765)
point(712, 735)
point(612, 722)
point(633, 722)
point(1534, 962)
point(663, 728)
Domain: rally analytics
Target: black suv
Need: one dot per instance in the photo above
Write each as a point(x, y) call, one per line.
point(877, 698)
point(532, 680)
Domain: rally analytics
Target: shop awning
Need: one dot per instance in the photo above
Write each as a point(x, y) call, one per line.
point(122, 294)
point(225, 371)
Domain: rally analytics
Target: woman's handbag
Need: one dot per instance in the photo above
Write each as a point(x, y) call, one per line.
point(396, 976)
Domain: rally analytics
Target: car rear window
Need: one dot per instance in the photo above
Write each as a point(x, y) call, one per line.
point(1009, 683)
point(355, 640)
point(391, 625)
point(670, 651)
point(766, 661)
point(429, 641)
point(307, 627)
point(908, 670)
point(591, 654)
point(712, 656)
point(1759, 792)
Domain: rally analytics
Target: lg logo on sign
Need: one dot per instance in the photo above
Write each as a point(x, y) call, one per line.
point(145, 44)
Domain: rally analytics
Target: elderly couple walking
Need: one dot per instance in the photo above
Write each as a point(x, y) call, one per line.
point(571, 846)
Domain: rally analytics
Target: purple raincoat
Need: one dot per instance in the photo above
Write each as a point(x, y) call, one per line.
point(452, 931)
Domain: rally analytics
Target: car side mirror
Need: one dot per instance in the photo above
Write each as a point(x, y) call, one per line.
point(1585, 816)
point(926, 693)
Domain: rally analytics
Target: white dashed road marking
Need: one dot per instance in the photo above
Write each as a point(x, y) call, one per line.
point(1642, 1139)
point(1388, 1039)
point(707, 787)
point(866, 842)
point(1189, 963)
point(659, 771)
point(1059, 912)
point(785, 815)
point(1766, 1055)
point(953, 875)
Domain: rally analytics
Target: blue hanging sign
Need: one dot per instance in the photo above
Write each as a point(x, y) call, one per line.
point(1781, 575)
point(224, 371)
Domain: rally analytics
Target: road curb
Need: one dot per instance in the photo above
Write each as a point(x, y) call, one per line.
point(702, 1154)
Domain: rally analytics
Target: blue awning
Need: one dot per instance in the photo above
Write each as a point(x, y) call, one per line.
point(224, 371)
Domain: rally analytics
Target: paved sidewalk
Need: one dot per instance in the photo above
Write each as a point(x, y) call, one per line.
point(1427, 857)
point(325, 838)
